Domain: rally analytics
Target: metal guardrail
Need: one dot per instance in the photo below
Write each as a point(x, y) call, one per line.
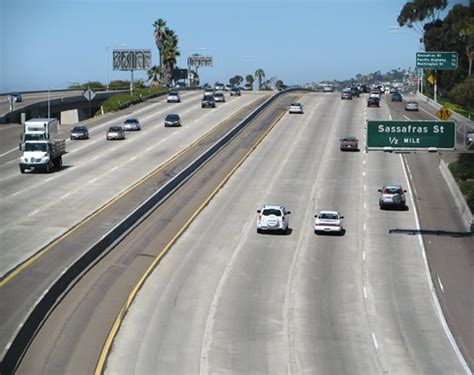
point(29, 326)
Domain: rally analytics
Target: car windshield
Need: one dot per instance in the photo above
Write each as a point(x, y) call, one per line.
point(173, 93)
point(115, 129)
point(172, 117)
point(391, 190)
point(350, 139)
point(78, 129)
point(34, 136)
point(328, 216)
point(131, 121)
point(271, 211)
point(296, 104)
point(36, 146)
point(208, 98)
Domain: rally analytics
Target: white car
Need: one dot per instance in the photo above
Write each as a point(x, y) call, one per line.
point(411, 106)
point(209, 92)
point(174, 97)
point(328, 222)
point(219, 97)
point(131, 124)
point(273, 218)
point(296, 108)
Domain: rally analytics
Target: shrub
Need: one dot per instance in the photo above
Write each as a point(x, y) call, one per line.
point(121, 101)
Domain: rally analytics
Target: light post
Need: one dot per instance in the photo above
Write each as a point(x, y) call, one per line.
point(107, 59)
point(49, 89)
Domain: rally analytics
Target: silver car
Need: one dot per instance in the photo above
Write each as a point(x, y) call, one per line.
point(392, 196)
point(219, 97)
point(131, 124)
point(411, 106)
point(173, 97)
point(296, 108)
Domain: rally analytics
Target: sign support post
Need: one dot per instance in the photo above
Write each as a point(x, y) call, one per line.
point(435, 85)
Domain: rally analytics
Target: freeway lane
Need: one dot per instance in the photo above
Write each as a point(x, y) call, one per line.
point(451, 258)
point(94, 172)
point(71, 339)
point(227, 299)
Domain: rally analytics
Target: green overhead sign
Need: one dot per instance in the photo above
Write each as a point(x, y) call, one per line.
point(437, 60)
point(411, 135)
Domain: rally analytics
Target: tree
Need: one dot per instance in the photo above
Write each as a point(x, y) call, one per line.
point(279, 84)
point(249, 79)
point(153, 73)
point(415, 12)
point(160, 35)
point(260, 75)
point(236, 80)
point(467, 35)
point(463, 93)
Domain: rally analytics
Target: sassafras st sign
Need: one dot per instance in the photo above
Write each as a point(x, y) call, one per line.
point(411, 135)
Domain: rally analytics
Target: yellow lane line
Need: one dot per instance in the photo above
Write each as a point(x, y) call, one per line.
point(123, 311)
point(15, 271)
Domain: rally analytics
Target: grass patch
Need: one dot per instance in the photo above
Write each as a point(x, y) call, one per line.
point(118, 102)
point(453, 107)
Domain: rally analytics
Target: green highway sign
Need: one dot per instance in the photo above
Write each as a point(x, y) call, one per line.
point(411, 135)
point(437, 60)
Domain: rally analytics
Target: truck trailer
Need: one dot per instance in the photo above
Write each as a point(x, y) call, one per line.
point(39, 129)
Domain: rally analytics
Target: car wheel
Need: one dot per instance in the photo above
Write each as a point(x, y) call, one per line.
point(22, 170)
point(259, 230)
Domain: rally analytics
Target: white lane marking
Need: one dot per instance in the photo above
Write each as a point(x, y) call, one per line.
point(133, 158)
point(148, 149)
point(434, 297)
point(365, 227)
point(114, 168)
point(408, 118)
point(65, 195)
point(390, 115)
point(363, 255)
point(48, 179)
point(365, 205)
point(374, 339)
point(6, 153)
point(18, 192)
point(91, 181)
point(34, 212)
point(363, 173)
point(95, 157)
point(113, 148)
point(365, 292)
point(364, 161)
point(440, 283)
point(365, 187)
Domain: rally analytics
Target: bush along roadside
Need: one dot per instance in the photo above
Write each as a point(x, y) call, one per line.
point(463, 172)
point(118, 102)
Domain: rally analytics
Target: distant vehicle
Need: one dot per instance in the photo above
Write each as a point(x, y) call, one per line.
point(180, 84)
point(235, 91)
point(328, 222)
point(273, 218)
point(328, 88)
point(208, 102)
point(79, 132)
point(349, 144)
point(411, 106)
point(392, 196)
point(373, 101)
point(43, 155)
point(209, 91)
point(131, 124)
point(470, 136)
point(296, 108)
point(219, 86)
point(219, 97)
point(346, 94)
point(248, 87)
point(354, 91)
point(174, 97)
point(393, 90)
point(172, 119)
point(363, 89)
point(228, 87)
point(17, 98)
point(396, 97)
point(115, 132)
point(375, 91)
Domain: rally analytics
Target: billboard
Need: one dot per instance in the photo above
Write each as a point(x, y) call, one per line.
point(132, 59)
point(198, 61)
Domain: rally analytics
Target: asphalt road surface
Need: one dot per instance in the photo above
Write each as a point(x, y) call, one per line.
point(226, 299)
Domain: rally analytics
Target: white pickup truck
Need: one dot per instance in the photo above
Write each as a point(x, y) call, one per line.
point(43, 155)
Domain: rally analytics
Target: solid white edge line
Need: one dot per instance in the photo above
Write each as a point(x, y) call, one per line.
point(363, 255)
point(34, 212)
point(434, 297)
point(440, 283)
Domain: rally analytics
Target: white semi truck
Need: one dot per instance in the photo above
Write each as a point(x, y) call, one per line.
point(39, 129)
point(44, 155)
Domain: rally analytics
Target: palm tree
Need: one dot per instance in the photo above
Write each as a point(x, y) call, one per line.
point(249, 79)
point(160, 36)
point(467, 35)
point(170, 53)
point(260, 75)
point(153, 73)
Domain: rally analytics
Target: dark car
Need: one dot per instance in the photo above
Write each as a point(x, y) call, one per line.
point(346, 94)
point(397, 97)
point(363, 89)
point(235, 91)
point(349, 144)
point(354, 91)
point(79, 132)
point(172, 120)
point(373, 101)
point(208, 102)
point(16, 97)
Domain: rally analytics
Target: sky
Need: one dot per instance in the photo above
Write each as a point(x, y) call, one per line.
point(47, 44)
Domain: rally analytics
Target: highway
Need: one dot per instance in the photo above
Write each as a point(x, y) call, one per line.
point(224, 298)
